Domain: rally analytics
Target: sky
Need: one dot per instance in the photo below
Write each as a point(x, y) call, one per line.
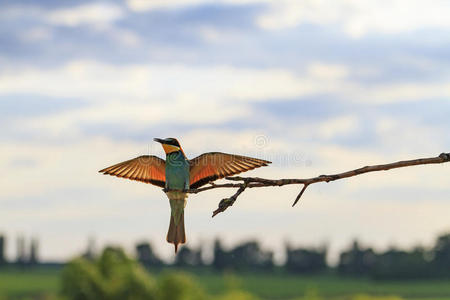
point(317, 87)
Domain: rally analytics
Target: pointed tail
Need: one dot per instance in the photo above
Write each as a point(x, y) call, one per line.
point(176, 234)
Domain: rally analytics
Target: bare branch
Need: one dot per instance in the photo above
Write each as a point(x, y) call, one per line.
point(254, 182)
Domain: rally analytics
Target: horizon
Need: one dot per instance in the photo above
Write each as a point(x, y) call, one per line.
point(205, 248)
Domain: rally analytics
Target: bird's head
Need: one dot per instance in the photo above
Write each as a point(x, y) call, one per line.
point(169, 145)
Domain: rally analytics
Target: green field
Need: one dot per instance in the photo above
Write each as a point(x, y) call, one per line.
point(38, 283)
point(17, 283)
point(289, 286)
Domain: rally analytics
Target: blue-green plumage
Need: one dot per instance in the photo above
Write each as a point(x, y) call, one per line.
point(177, 171)
point(177, 181)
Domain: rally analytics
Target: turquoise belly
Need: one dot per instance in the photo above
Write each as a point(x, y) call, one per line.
point(177, 171)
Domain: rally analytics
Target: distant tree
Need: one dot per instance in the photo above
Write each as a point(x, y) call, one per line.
point(33, 259)
point(187, 257)
point(245, 256)
point(356, 261)
point(249, 255)
point(441, 256)
point(221, 257)
point(21, 255)
point(146, 256)
point(2, 250)
point(306, 260)
point(397, 264)
point(89, 254)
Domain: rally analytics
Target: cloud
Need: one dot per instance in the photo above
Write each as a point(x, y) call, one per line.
point(344, 125)
point(327, 71)
point(133, 98)
point(356, 18)
point(103, 82)
point(94, 14)
point(158, 83)
point(209, 34)
point(143, 5)
point(100, 82)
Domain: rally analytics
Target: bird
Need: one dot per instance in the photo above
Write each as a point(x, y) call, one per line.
point(177, 174)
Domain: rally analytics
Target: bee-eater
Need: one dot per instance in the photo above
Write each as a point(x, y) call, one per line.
point(177, 174)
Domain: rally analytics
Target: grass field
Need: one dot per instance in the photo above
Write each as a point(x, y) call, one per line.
point(330, 287)
point(16, 284)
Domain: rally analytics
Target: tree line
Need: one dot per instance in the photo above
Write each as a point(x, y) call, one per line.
point(419, 262)
point(393, 263)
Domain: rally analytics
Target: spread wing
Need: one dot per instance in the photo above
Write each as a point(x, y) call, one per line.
point(145, 168)
point(215, 165)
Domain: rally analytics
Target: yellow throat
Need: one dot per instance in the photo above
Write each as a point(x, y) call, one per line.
point(170, 148)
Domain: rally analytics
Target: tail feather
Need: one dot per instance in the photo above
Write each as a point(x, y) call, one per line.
point(176, 234)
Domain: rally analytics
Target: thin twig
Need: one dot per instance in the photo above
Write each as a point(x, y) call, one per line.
point(227, 202)
point(300, 194)
point(254, 182)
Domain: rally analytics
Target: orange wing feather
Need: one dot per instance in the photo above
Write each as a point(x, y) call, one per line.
point(215, 165)
point(146, 168)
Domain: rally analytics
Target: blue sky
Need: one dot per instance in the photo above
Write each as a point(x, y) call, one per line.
point(315, 87)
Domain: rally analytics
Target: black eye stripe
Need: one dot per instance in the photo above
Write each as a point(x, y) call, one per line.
point(173, 142)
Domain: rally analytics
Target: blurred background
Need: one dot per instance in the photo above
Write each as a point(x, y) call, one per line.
point(317, 87)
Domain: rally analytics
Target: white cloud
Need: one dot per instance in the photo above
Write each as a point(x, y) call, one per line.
point(144, 5)
point(103, 82)
point(355, 17)
point(124, 37)
point(99, 16)
point(358, 17)
point(286, 13)
point(159, 83)
point(340, 126)
point(146, 95)
point(327, 71)
point(393, 92)
point(94, 14)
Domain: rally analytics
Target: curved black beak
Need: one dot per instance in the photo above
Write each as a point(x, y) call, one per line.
point(159, 140)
